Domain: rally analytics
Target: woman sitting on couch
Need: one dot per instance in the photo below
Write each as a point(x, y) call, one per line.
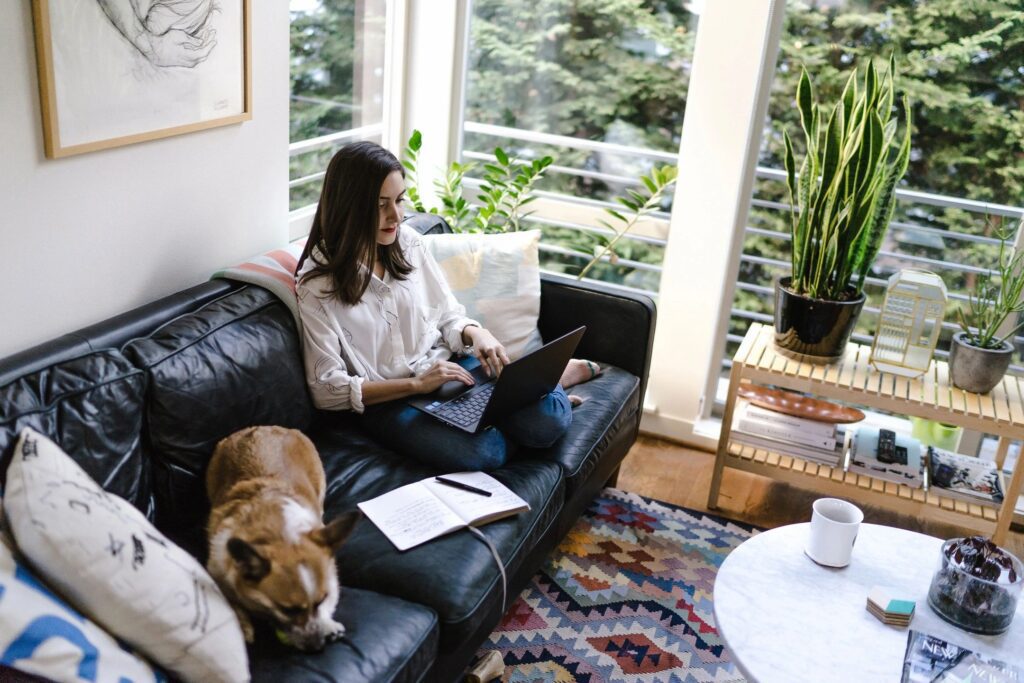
point(380, 324)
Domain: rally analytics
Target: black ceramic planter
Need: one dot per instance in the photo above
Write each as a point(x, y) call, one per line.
point(813, 329)
point(976, 369)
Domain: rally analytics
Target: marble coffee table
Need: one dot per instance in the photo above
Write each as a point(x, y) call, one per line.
point(786, 619)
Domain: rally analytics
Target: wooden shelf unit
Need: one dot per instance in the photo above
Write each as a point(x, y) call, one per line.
point(853, 380)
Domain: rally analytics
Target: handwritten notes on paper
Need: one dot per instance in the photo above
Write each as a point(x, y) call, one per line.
point(411, 515)
point(418, 512)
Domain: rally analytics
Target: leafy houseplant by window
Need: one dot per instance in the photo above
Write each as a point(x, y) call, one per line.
point(507, 188)
point(980, 354)
point(842, 199)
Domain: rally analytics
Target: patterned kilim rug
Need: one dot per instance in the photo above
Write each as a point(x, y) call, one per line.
point(625, 598)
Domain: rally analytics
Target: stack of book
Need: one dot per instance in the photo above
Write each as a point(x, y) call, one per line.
point(967, 478)
point(813, 440)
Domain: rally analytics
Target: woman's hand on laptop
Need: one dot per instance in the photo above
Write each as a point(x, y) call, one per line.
point(487, 349)
point(441, 372)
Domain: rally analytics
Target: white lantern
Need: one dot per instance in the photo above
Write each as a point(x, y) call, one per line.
point(910, 323)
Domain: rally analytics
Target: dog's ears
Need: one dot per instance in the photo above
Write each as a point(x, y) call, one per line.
point(251, 564)
point(334, 534)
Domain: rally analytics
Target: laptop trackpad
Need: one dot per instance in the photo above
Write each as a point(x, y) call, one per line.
point(453, 388)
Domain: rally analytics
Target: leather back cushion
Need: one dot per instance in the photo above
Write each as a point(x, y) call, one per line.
point(92, 406)
point(232, 364)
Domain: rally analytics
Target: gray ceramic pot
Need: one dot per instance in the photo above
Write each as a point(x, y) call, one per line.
point(975, 369)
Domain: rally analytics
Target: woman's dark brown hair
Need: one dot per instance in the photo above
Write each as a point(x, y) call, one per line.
point(347, 219)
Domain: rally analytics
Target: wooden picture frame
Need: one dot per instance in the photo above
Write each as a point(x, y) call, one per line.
point(109, 77)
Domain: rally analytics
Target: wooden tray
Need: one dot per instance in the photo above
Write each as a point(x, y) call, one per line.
point(798, 405)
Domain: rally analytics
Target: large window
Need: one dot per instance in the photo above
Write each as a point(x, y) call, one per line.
point(959, 62)
point(600, 86)
point(337, 85)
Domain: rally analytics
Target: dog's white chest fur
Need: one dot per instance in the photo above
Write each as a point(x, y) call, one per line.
point(297, 520)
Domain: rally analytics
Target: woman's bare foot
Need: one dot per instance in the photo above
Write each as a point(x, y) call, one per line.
point(579, 371)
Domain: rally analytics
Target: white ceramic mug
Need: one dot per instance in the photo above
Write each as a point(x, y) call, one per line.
point(834, 527)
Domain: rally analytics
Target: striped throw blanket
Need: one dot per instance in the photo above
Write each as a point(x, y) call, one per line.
point(274, 271)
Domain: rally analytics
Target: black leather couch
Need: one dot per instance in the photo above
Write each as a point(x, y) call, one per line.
point(140, 400)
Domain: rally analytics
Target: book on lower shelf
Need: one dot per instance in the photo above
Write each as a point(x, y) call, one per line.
point(964, 477)
point(418, 512)
point(757, 420)
point(782, 441)
point(930, 659)
point(907, 469)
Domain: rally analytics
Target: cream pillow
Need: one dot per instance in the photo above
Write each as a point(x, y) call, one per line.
point(106, 558)
point(497, 278)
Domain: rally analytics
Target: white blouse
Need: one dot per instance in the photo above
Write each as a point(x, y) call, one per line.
point(399, 329)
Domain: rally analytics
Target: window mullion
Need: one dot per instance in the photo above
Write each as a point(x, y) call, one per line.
point(734, 61)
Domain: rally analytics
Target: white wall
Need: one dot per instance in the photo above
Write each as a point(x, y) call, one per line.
point(89, 236)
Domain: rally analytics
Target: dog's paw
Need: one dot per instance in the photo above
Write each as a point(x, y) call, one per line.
point(333, 631)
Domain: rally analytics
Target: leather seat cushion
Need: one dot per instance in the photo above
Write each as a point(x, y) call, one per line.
point(455, 574)
point(612, 400)
point(386, 639)
point(234, 363)
point(92, 407)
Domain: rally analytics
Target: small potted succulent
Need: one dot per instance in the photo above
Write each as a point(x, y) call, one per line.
point(980, 353)
point(842, 197)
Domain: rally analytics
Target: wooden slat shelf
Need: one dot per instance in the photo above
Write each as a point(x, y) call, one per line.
point(853, 379)
point(910, 501)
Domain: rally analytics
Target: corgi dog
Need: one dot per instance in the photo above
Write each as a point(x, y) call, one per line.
point(270, 552)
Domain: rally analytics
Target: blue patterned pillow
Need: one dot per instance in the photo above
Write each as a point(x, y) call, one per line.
point(42, 635)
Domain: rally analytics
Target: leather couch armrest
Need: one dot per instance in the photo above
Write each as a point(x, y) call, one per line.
point(620, 325)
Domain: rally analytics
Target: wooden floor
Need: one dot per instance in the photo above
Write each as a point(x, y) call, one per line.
point(675, 474)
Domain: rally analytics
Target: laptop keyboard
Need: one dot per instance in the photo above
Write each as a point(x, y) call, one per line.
point(467, 409)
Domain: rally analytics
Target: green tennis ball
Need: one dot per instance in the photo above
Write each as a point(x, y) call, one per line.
point(282, 637)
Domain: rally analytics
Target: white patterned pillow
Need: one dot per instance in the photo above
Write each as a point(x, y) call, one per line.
point(40, 634)
point(497, 278)
point(105, 557)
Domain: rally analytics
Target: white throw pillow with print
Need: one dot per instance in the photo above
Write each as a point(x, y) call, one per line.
point(497, 278)
point(106, 558)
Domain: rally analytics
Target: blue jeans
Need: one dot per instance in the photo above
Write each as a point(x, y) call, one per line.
point(411, 432)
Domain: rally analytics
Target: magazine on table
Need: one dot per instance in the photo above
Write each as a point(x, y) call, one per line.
point(965, 477)
point(930, 659)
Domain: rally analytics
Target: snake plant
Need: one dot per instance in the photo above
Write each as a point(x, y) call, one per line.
point(843, 195)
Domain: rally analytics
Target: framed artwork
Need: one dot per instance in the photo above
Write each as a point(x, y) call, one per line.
point(117, 72)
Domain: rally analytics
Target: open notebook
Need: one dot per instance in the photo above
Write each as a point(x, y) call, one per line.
point(416, 513)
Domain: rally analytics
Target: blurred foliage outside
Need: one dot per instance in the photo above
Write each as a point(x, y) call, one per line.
point(326, 58)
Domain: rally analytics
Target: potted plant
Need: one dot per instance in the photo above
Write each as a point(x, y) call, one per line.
point(841, 200)
point(980, 353)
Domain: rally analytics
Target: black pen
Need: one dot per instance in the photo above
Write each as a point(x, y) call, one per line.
point(460, 485)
